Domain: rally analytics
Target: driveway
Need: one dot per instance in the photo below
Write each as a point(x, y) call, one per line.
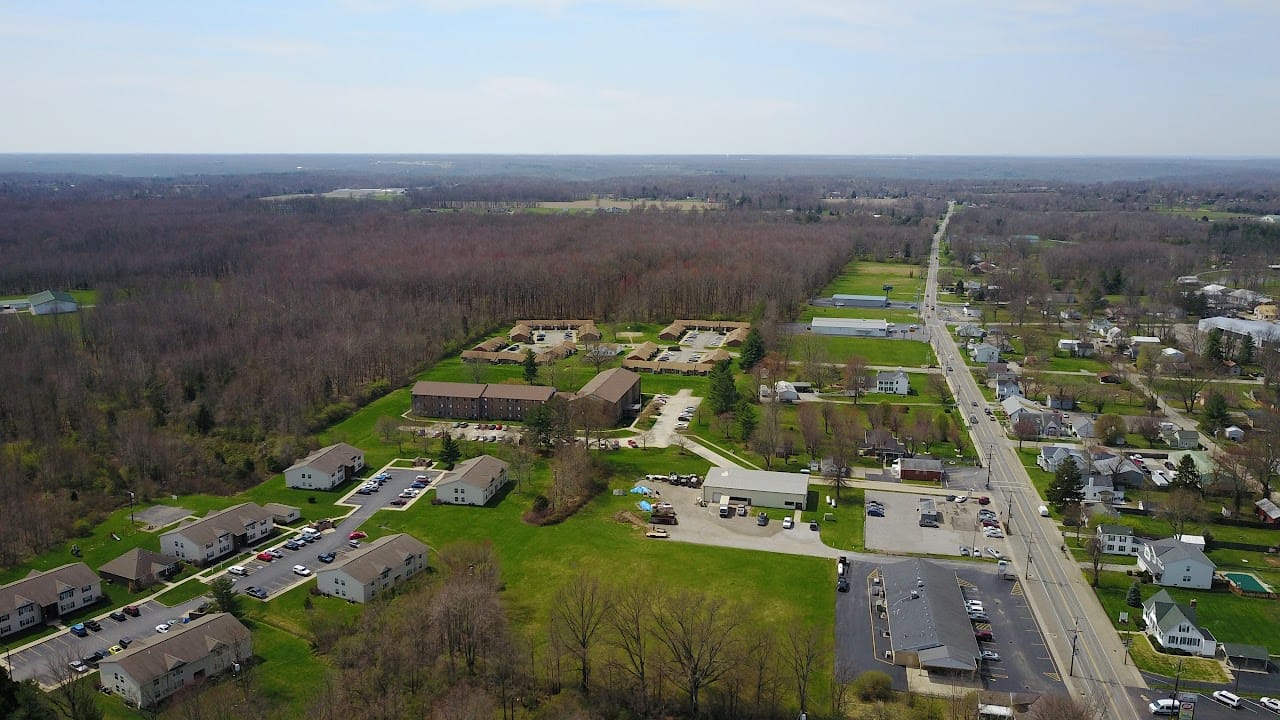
point(663, 433)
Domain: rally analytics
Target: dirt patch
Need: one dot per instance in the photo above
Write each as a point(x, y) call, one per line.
point(157, 516)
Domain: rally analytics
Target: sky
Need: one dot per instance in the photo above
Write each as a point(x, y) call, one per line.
point(827, 77)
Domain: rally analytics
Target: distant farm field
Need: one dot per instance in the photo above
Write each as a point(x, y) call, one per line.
point(869, 278)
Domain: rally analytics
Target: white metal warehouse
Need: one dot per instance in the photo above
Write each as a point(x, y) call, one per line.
point(849, 326)
point(763, 488)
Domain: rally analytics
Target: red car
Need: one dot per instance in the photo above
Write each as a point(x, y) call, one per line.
point(984, 500)
point(983, 635)
point(265, 556)
point(633, 443)
point(357, 535)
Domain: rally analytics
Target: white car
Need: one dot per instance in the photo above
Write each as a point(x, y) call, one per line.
point(993, 533)
point(162, 628)
point(1270, 703)
point(788, 523)
point(990, 655)
point(302, 570)
point(78, 666)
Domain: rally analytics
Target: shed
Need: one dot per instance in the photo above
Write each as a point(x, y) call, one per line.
point(1254, 658)
point(283, 514)
point(52, 302)
point(1234, 432)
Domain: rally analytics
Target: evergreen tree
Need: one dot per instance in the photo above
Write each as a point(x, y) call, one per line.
point(1213, 345)
point(1134, 597)
point(1067, 487)
point(450, 452)
point(1246, 350)
point(723, 393)
point(1215, 415)
point(752, 350)
point(1187, 475)
point(530, 366)
point(223, 591)
point(746, 418)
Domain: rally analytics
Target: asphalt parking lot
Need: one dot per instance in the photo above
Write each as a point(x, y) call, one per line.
point(899, 530)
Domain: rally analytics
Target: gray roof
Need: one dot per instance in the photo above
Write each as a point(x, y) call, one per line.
point(1115, 529)
point(1268, 508)
point(232, 521)
point(42, 588)
point(45, 296)
point(1168, 613)
point(1174, 550)
point(329, 459)
point(920, 463)
point(148, 659)
point(758, 480)
point(476, 472)
point(1241, 650)
point(386, 553)
point(893, 375)
point(138, 563)
point(935, 621)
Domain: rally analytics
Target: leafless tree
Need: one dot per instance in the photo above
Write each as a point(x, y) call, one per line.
point(1063, 707)
point(766, 439)
point(857, 376)
point(1094, 548)
point(1025, 429)
point(579, 611)
point(73, 695)
point(1182, 507)
point(699, 633)
point(1187, 379)
point(806, 646)
point(1232, 477)
point(630, 624)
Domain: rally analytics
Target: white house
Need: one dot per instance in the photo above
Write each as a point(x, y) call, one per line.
point(218, 534)
point(1173, 563)
point(1117, 539)
point(1007, 389)
point(1172, 355)
point(784, 391)
point(472, 482)
point(1051, 457)
point(1234, 432)
point(43, 596)
point(1176, 437)
point(985, 353)
point(893, 381)
point(325, 468)
point(1060, 402)
point(384, 563)
point(1174, 626)
point(1100, 488)
point(970, 330)
point(154, 668)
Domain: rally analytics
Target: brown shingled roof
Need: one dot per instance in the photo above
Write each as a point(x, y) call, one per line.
point(447, 389)
point(42, 588)
point(148, 659)
point(611, 385)
point(369, 561)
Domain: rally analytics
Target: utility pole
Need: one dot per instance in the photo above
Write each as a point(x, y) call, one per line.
point(132, 522)
point(991, 454)
point(1075, 635)
point(1030, 540)
point(1177, 681)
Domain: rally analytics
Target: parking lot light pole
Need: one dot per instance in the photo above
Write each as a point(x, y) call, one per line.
point(132, 522)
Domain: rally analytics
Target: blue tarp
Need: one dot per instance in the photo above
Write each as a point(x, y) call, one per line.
point(641, 490)
point(646, 506)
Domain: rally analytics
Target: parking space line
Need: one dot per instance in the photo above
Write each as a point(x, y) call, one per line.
point(1053, 676)
point(1016, 590)
point(965, 583)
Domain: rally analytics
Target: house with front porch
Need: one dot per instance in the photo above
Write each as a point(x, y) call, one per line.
point(1174, 563)
point(1117, 539)
point(1174, 627)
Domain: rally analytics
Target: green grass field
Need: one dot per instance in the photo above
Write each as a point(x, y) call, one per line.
point(877, 351)
point(868, 278)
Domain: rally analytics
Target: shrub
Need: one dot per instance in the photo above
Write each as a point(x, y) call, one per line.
point(874, 685)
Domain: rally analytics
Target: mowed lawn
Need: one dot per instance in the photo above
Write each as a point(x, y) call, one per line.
point(537, 561)
point(862, 277)
point(877, 351)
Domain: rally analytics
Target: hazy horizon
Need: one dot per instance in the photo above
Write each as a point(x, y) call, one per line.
point(921, 78)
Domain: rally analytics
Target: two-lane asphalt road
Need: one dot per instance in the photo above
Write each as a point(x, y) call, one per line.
point(1080, 636)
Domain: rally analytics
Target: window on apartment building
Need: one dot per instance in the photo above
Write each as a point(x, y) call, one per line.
point(1110, 548)
point(66, 594)
point(1186, 578)
point(4, 617)
point(86, 589)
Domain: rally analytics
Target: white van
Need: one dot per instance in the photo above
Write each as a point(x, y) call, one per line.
point(1044, 511)
point(238, 570)
point(1163, 706)
point(1226, 697)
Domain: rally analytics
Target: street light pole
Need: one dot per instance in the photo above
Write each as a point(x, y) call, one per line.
point(991, 454)
point(1075, 635)
point(132, 522)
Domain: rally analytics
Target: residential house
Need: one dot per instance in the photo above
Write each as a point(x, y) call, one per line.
point(472, 482)
point(1007, 388)
point(1060, 402)
point(1267, 511)
point(1245, 299)
point(52, 302)
point(1051, 457)
point(1234, 432)
point(1049, 423)
point(44, 596)
point(918, 468)
point(1122, 471)
point(1173, 626)
point(1069, 315)
point(371, 569)
point(985, 353)
point(139, 568)
point(782, 391)
point(1267, 311)
point(326, 468)
point(1083, 429)
point(1117, 539)
point(1101, 488)
point(892, 381)
point(1230, 367)
point(161, 665)
point(219, 534)
point(1174, 563)
point(1171, 356)
point(1214, 290)
point(1076, 348)
point(881, 443)
point(1176, 437)
point(1100, 326)
point(970, 330)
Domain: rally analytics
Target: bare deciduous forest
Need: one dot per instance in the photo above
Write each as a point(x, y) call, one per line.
point(225, 332)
